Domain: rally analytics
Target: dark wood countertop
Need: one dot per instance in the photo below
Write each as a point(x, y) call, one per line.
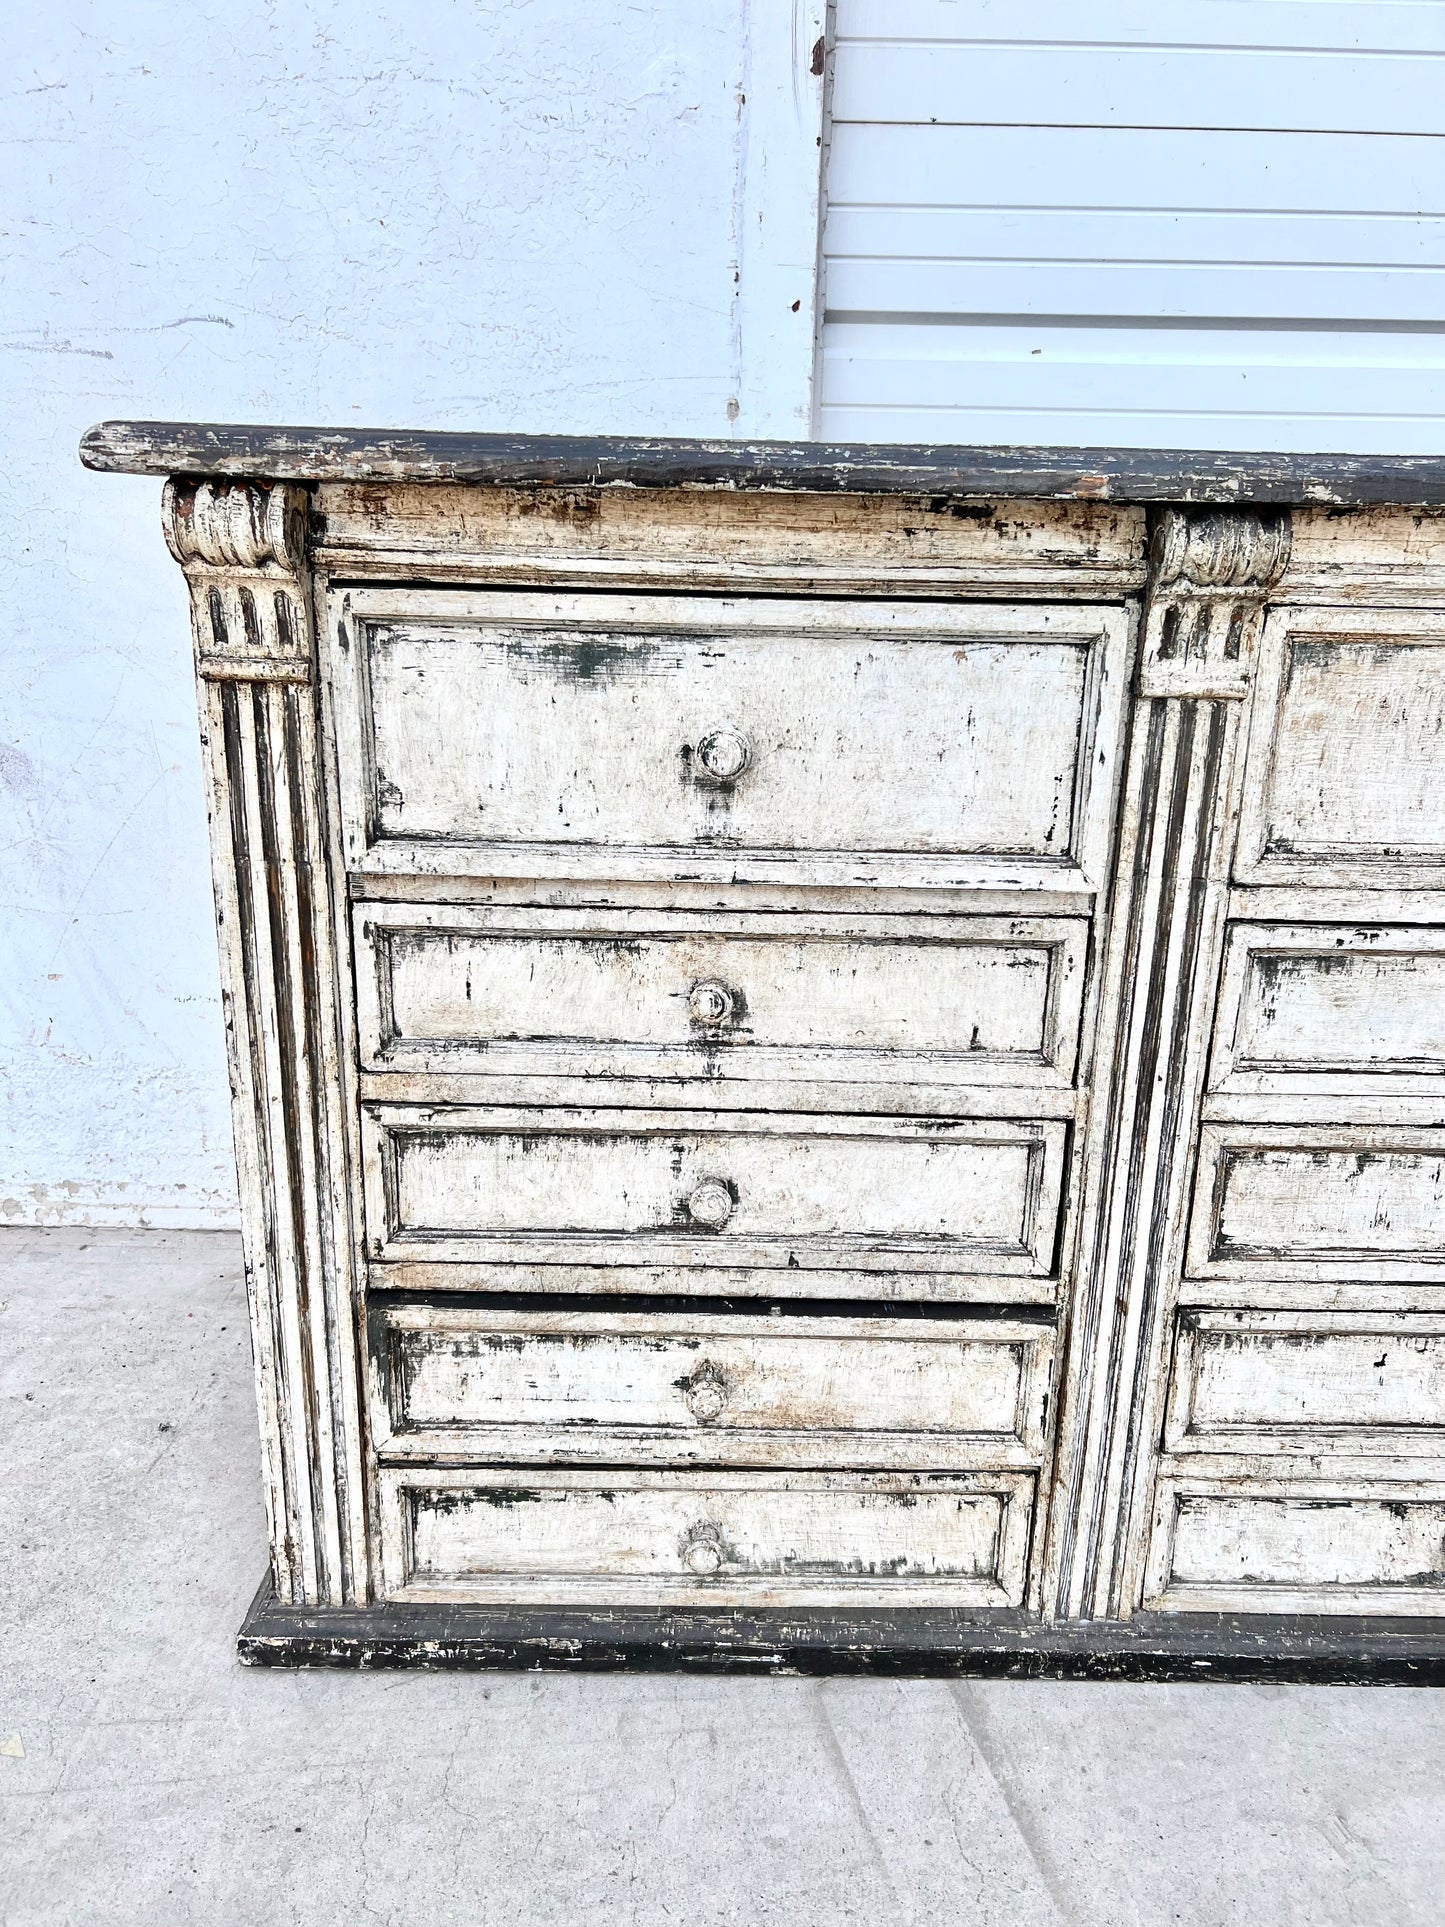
point(1059, 474)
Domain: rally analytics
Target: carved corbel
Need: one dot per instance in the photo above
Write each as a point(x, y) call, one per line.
point(243, 548)
point(1209, 578)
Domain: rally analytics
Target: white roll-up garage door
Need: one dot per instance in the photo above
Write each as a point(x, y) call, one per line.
point(1210, 224)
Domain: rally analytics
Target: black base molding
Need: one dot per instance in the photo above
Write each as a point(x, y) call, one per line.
point(917, 1643)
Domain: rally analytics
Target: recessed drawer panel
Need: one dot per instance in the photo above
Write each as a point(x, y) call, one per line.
point(1318, 1202)
point(1318, 1008)
point(1343, 780)
point(489, 1384)
point(663, 994)
point(506, 734)
point(1285, 1381)
point(745, 1538)
point(1315, 1546)
point(647, 1187)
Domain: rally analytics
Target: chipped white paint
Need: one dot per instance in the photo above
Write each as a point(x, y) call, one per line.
point(805, 1193)
point(463, 1383)
point(1297, 1545)
point(1348, 1201)
point(625, 737)
point(1329, 1010)
point(723, 996)
point(542, 985)
point(1308, 1382)
point(694, 1538)
point(1344, 779)
point(840, 544)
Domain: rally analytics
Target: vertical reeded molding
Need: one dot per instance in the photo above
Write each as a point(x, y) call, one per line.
point(285, 998)
point(1210, 576)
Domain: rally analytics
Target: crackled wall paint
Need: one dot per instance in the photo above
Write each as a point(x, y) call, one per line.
point(484, 215)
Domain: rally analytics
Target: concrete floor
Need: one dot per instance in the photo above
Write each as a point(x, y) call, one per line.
point(154, 1780)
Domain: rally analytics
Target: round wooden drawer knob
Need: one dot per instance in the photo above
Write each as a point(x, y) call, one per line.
point(711, 1204)
point(706, 1393)
point(710, 1003)
point(702, 1551)
point(721, 757)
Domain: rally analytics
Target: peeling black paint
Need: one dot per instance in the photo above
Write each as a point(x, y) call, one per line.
point(941, 471)
point(917, 1643)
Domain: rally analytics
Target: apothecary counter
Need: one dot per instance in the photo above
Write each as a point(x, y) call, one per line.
point(838, 1053)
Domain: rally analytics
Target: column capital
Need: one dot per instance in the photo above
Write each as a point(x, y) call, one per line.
point(243, 548)
point(1210, 575)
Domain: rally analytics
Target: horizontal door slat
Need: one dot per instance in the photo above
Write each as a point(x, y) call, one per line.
point(1328, 256)
point(1091, 170)
point(1089, 86)
point(869, 285)
point(1408, 26)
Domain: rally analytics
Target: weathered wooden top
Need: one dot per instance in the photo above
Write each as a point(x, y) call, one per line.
point(1070, 474)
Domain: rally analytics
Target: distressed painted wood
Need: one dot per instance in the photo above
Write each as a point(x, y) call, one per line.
point(1308, 1382)
point(784, 1642)
point(728, 1538)
point(719, 996)
point(800, 1193)
point(622, 736)
point(1344, 761)
point(1331, 1011)
point(727, 984)
point(1212, 574)
point(1342, 1201)
point(959, 470)
point(286, 1001)
point(928, 544)
point(1299, 1545)
point(458, 1383)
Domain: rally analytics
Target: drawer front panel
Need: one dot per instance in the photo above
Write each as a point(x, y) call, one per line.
point(1262, 1381)
point(716, 1538)
point(1314, 1547)
point(479, 1384)
point(481, 724)
point(966, 1000)
point(1319, 1202)
point(1343, 783)
point(1311, 1008)
point(594, 1187)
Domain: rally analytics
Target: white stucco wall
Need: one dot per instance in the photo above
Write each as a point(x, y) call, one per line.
point(520, 214)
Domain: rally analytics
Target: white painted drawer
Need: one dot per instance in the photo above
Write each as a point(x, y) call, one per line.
point(651, 1187)
point(1321, 1008)
point(1343, 784)
point(715, 738)
point(1303, 1382)
point(1320, 1545)
point(1318, 1202)
point(715, 995)
point(714, 1538)
point(484, 1384)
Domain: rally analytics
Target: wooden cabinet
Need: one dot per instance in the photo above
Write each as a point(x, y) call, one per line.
point(825, 1032)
